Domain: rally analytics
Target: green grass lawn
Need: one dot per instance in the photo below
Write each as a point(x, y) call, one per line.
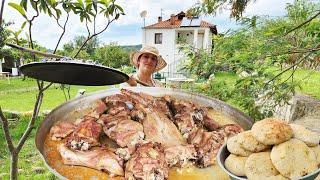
point(20, 95)
point(310, 80)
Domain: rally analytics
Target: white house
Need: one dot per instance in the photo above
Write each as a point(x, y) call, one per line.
point(167, 35)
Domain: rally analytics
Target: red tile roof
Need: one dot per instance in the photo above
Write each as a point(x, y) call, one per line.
point(165, 24)
point(176, 23)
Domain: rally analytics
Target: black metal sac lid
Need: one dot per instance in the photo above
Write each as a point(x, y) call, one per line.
point(74, 73)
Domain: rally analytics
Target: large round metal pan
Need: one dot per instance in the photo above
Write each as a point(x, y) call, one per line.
point(74, 73)
point(76, 108)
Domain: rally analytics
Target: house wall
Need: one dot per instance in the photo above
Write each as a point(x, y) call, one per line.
point(167, 48)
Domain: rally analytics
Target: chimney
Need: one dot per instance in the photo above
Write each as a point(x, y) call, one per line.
point(159, 19)
point(172, 19)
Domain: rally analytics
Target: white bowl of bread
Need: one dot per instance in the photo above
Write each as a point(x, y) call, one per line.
point(272, 149)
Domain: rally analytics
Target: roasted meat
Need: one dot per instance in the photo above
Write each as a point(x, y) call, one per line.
point(231, 129)
point(157, 126)
point(208, 143)
point(148, 163)
point(188, 114)
point(117, 97)
point(98, 158)
point(116, 107)
point(61, 130)
point(200, 116)
point(98, 108)
point(149, 134)
point(162, 106)
point(86, 135)
point(185, 123)
point(180, 155)
point(125, 132)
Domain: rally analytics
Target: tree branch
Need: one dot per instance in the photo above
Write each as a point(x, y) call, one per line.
point(90, 37)
point(292, 66)
point(94, 23)
point(302, 24)
point(31, 51)
point(1, 12)
point(45, 88)
point(87, 28)
point(30, 25)
point(5, 127)
point(33, 119)
point(294, 52)
point(63, 31)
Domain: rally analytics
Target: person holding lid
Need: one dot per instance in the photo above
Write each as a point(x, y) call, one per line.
point(147, 61)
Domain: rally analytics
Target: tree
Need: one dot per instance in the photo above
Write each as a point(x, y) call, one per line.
point(213, 6)
point(87, 11)
point(112, 55)
point(285, 44)
point(72, 47)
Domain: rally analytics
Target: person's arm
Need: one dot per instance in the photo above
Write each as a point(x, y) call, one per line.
point(132, 81)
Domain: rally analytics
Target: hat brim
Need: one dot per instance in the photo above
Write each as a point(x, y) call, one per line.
point(135, 56)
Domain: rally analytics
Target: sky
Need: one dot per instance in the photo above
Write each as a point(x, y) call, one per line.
point(127, 30)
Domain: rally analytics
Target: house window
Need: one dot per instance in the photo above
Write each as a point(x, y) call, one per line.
point(158, 38)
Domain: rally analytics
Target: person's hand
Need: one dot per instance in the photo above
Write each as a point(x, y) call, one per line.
point(132, 81)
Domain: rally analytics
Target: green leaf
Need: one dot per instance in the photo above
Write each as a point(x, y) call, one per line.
point(80, 2)
point(34, 5)
point(111, 9)
point(58, 11)
point(18, 8)
point(119, 7)
point(23, 25)
point(23, 3)
point(117, 16)
point(52, 2)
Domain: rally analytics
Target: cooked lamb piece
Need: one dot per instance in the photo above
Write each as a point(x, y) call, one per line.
point(147, 162)
point(231, 129)
point(118, 126)
point(99, 158)
point(162, 106)
point(117, 97)
point(157, 126)
point(61, 130)
point(116, 107)
point(137, 114)
point(180, 155)
point(98, 108)
point(86, 135)
point(185, 123)
point(189, 116)
point(200, 116)
point(207, 143)
point(124, 132)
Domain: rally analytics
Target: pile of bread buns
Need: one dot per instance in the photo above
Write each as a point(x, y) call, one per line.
point(273, 149)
